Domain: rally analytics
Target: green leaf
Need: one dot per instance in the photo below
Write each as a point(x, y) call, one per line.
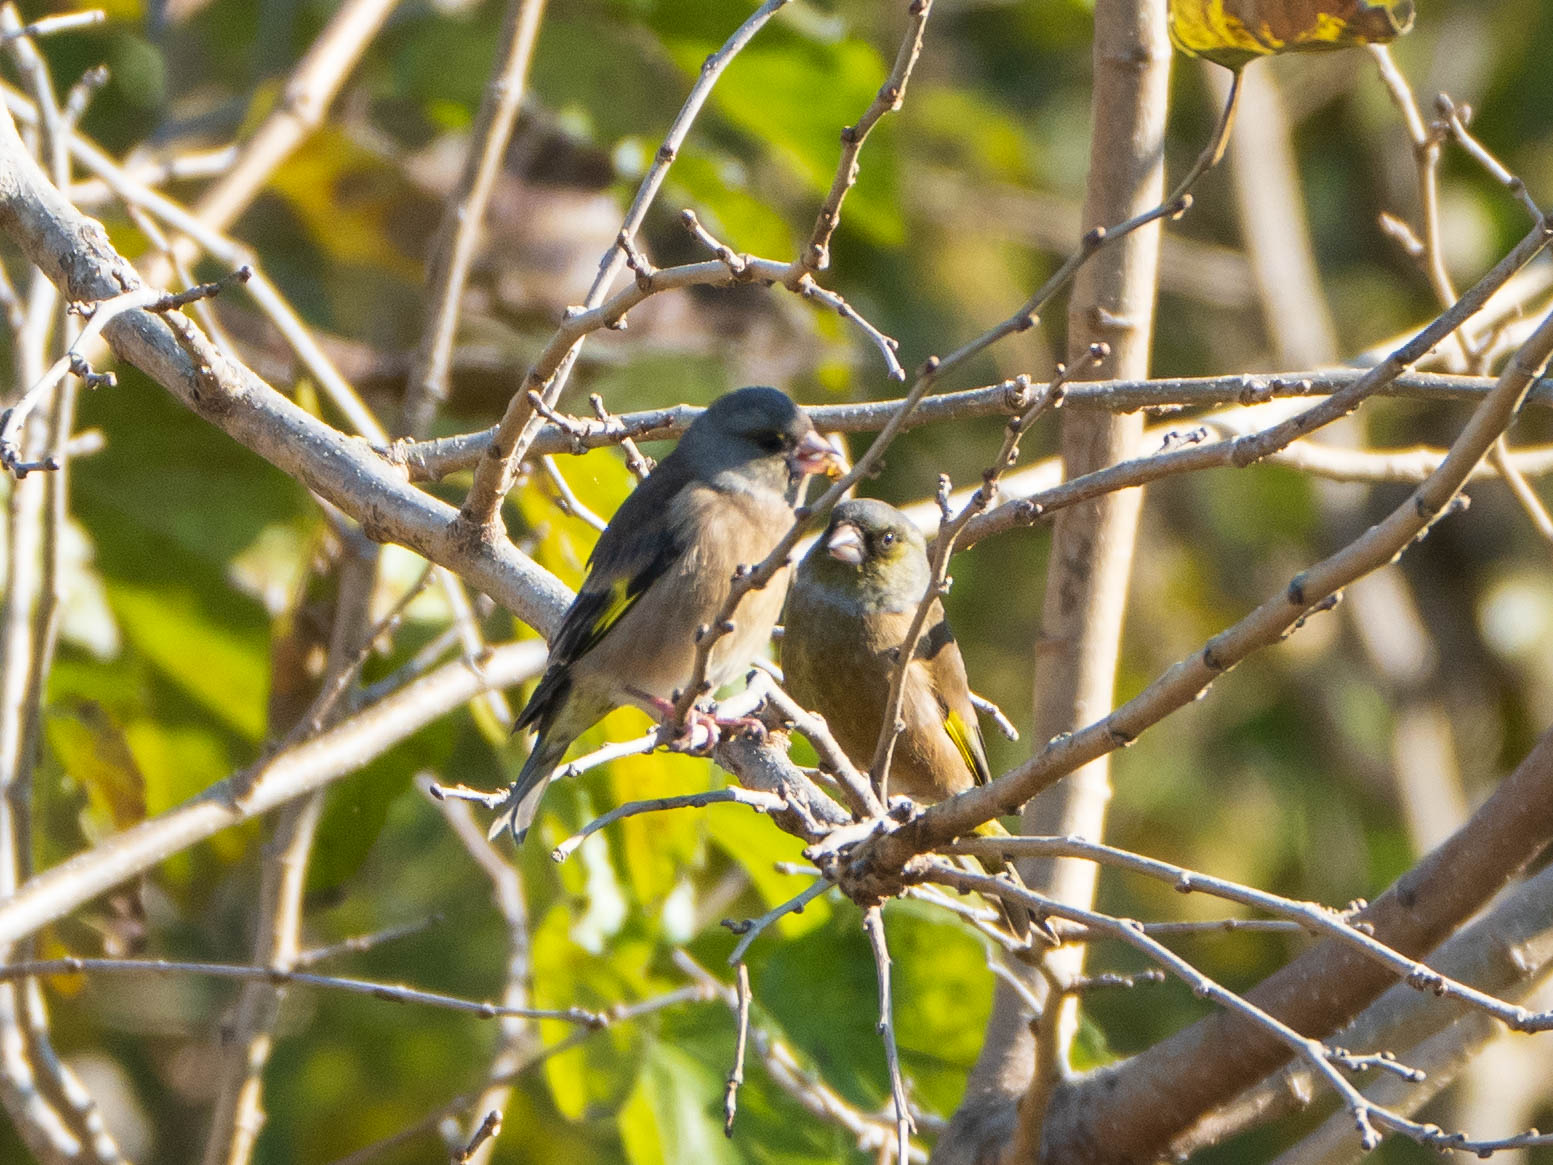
point(719, 189)
point(756, 845)
point(795, 96)
point(673, 1114)
point(598, 1072)
point(212, 661)
point(943, 997)
point(658, 848)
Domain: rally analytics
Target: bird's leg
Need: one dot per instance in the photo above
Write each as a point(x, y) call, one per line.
point(699, 734)
point(702, 729)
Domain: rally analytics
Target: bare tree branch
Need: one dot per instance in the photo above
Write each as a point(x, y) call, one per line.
point(268, 784)
point(434, 459)
point(464, 212)
point(1151, 1098)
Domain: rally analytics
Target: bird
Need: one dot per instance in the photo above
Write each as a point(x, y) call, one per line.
point(851, 605)
point(662, 568)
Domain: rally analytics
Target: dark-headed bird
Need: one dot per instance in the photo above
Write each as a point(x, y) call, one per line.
point(662, 568)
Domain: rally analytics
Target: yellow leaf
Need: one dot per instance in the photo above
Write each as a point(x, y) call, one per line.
point(658, 848)
point(91, 747)
point(1233, 32)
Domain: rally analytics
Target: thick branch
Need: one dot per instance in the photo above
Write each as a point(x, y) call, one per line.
point(73, 250)
point(1129, 1112)
point(272, 782)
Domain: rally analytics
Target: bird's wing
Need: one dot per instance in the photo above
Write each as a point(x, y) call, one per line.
point(635, 549)
point(939, 656)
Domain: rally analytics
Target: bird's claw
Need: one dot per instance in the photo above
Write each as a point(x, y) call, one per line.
point(752, 726)
point(698, 735)
point(702, 729)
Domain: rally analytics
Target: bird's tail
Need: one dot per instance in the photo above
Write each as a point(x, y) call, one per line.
point(1022, 922)
point(522, 803)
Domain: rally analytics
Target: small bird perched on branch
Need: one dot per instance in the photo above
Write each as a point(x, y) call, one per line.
point(853, 600)
point(662, 569)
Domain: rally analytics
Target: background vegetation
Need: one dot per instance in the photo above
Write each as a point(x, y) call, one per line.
point(189, 555)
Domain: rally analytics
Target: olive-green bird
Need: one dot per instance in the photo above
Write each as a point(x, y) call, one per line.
point(853, 598)
point(662, 568)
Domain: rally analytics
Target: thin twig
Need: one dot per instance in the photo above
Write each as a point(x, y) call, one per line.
point(990, 710)
point(89, 193)
point(949, 529)
point(1501, 459)
point(620, 1013)
point(752, 928)
point(569, 502)
point(873, 926)
point(100, 315)
point(760, 802)
point(637, 462)
point(741, 1042)
point(389, 992)
point(589, 761)
point(547, 376)
point(1456, 119)
point(81, 94)
point(50, 25)
point(435, 459)
point(742, 268)
point(983, 919)
point(464, 213)
point(816, 254)
point(487, 1131)
point(358, 943)
point(1426, 155)
point(1313, 918)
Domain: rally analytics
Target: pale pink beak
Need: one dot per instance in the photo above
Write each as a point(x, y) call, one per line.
point(814, 454)
point(845, 544)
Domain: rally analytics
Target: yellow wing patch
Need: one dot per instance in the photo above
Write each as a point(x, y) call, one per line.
point(960, 733)
point(1233, 32)
point(621, 599)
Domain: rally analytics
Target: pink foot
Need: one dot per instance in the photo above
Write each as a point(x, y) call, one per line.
point(703, 729)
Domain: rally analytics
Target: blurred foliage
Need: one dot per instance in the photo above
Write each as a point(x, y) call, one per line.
point(188, 551)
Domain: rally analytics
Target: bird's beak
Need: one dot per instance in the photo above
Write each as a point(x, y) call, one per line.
point(845, 544)
point(814, 454)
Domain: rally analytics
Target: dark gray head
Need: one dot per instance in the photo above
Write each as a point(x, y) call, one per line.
point(873, 553)
point(755, 435)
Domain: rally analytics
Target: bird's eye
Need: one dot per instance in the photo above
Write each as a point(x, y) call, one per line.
point(887, 539)
point(771, 441)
